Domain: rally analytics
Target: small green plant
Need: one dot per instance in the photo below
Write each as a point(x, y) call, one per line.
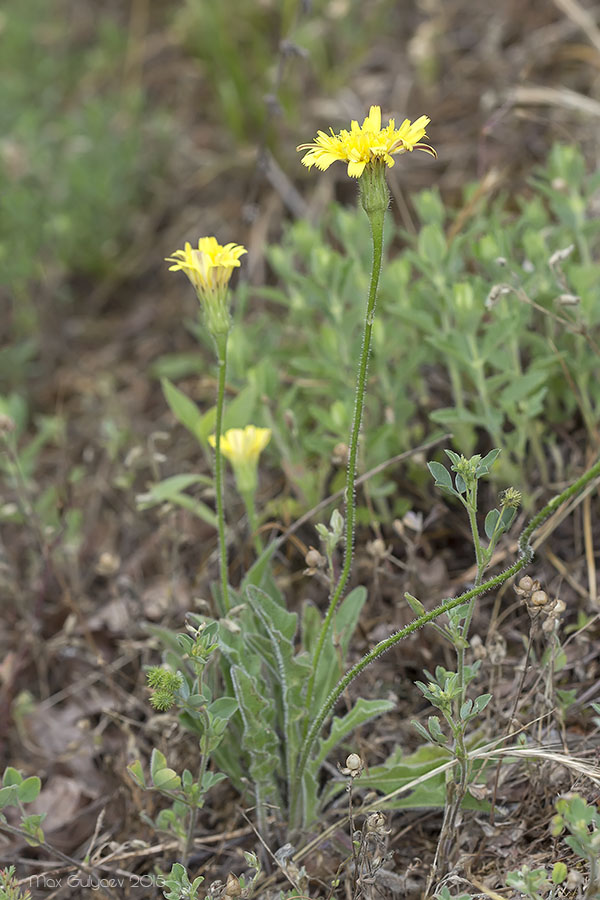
point(17, 791)
point(444, 894)
point(582, 822)
point(9, 889)
point(447, 691)
point(538, 884)
point(177, 885)
point(206, 718)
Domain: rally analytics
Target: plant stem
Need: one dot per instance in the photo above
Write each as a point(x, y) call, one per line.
point(248, 497)
point(376, 220)
point(221, 345)
point(525, 551)
point(204, 757)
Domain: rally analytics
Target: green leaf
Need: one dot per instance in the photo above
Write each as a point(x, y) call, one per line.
point(435, 730)
point(362, 711)
point(465, 710)
point(520, 387)
point(461, 485)
point(166, 780)
point(137, 773)
point(399, 770)
point(441, 474)
point(490, 522)
point(223, 707)
point(31, 824)
point(29, 789)
point(8, 796)
point(559, 873)
point(431, 245)
point(487, 462)
point(281, 619)
point(164, 490)
point(170, 491)
point(347, 616)
point(259, 738)
point(344, 622)
point(507, 517)
point(158, 761)
point(240, 411)
point(185, 410)
point(481, 702)
point(290, 671)
point(421, 729)
point(416, 605)
point(11, 776)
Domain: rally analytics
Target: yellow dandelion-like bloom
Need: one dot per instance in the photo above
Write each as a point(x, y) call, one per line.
point(209, 266)
point(367, 143)
point(242, 447)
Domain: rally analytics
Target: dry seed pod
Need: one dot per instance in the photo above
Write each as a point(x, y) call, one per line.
point(376, 824)
point(339, 456)
point(353, 767)
point(539, 598)
point(314, 560)
point(525, 586)
point(477, 647)
point(232, 886)
point(376, 549)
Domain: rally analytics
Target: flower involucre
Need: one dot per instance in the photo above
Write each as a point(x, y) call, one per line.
point(367, 143)
point(242, 445)
point(209, 266)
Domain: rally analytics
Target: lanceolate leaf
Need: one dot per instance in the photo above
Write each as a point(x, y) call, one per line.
point(291, 672)
point(362, 711)
point(259, 738)
point(332, 663)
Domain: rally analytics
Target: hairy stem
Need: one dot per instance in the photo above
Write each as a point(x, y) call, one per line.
point(376, 220)
point(221, 344)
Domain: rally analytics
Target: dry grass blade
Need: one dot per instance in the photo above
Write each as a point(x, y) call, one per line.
point(536, 95)
point(582, 19)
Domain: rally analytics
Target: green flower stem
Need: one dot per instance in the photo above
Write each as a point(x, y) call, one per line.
point(202, 767)
point(248, 497)
point(221, 346)
point(525, 555)
point(482, 561)
point(376, 220)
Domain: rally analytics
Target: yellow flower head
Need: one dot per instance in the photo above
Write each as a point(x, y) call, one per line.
point(242, 447)
point(243, 444)
point(366, 143)
point(209, 268)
